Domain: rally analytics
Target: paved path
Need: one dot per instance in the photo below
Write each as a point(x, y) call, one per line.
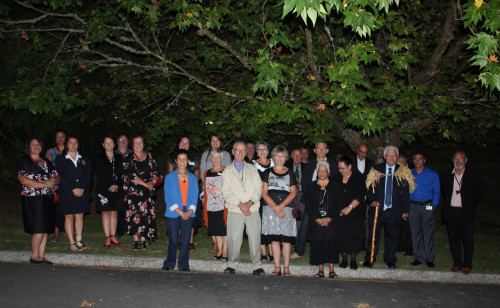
point(30, 285)
point(155, 263)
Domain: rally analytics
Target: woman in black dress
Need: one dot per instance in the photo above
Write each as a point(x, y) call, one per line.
point(140, 174)
point(323, 208)
point(75, 173)
point(38, 177)
point(351, 223)
point(109, 190)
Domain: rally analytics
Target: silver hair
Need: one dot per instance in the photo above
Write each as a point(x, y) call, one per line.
point(217, 151)
point(324, 163)
point(239, 142)
point(280, 149)
point(391, 147)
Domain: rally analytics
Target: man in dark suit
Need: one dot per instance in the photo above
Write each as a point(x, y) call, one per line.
point(391, 195)
point(310, 175)
point(361, 164)
point(462, 189)
point(297, 168)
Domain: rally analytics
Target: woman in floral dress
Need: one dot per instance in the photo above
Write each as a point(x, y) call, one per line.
point(38, 176)
point(140, 175)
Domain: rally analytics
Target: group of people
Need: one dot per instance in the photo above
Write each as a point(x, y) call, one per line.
point(274, 198)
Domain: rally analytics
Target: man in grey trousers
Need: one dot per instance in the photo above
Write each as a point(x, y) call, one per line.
point(242, 190)
point(423, 202)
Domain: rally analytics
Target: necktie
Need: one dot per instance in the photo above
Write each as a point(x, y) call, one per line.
point(388, 191)
point(240, 172)
point(297, 176)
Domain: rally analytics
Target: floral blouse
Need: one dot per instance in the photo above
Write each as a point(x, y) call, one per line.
point(133, 169)
point(36, 171)
point(213, 186)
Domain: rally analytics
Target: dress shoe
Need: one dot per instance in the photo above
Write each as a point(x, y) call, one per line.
point(259, 271)
point(367, 264)
point(343, 264)
point(165, 268)
point(36, 261)
point(431, 264)
point(391, 265)
point(416, 263)
point(296, 256)
point(229, 270)
point(45, 261)
point(186, 269)
point(354, 265)
point(466, 270)
point(455, 269)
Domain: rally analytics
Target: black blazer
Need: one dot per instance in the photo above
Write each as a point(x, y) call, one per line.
point(471, 192)
point(74, 177)
point(104, 171)
point(400, 194)
point(368, 165)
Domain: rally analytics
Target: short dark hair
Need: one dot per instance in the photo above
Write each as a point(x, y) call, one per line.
point(345, 159)
point(107, 136)
point(180, 152)
point(27, 145)
point(69, 136)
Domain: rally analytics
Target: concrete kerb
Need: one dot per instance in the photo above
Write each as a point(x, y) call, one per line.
point(155, 263)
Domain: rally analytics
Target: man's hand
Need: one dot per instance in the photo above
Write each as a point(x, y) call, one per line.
point(405, 216)
point(375, 204)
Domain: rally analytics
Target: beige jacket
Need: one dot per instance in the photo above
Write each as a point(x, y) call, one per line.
point(234, 191)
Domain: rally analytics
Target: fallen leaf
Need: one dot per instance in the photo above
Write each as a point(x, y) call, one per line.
point(86, 304)
point(394, 300)
point(266, 288)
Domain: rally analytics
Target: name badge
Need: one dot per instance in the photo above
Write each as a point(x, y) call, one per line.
point(428, 207)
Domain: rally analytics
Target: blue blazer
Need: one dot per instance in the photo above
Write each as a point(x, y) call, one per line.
point(400, 194)
point(173, 198)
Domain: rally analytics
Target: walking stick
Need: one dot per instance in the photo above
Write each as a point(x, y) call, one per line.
point(372, 255)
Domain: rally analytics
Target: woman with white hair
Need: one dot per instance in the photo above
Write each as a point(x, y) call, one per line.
point(214, 211)
point(323, 203)
point(279, 228)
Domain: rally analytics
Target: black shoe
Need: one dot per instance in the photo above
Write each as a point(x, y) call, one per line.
point(391, 265)
point(186, 269)
point(416, 263)
point(165, 268)
point(36, 261)
point(229, 270)
point(259, 271)
point(367, 264)
point(431, 264)
point(343, 264)
point(354, 265)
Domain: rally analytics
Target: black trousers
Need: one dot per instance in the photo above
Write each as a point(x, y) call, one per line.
point(391, 226)
point(460, 233)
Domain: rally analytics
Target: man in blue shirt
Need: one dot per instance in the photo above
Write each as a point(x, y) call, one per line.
point(423, 202)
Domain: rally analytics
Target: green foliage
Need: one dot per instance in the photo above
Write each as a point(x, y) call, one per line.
point(484, 22)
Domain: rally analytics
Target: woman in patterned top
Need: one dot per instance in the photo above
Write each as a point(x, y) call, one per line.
point(279, 188)
point(38, 176)
point(140, 174)
point(214, 212)
point(262, 163)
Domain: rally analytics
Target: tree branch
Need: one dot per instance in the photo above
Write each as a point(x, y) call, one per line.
point(426, 76)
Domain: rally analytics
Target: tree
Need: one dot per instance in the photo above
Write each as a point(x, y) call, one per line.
point(382, 71)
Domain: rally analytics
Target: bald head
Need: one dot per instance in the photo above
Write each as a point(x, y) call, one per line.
point(362, 151)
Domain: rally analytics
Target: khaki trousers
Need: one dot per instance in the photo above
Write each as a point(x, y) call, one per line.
point(235, 226)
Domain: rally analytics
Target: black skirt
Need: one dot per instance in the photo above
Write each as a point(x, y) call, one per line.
point(39, 213)
point(216, 225)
